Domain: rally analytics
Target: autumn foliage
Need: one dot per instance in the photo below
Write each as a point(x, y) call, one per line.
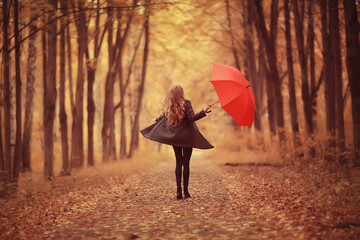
point(80, 78)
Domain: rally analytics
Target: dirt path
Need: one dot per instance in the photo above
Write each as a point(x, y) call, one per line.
point(227, 203)
point(145, 207)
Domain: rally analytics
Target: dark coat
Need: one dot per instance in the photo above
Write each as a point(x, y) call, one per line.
point(186, 134)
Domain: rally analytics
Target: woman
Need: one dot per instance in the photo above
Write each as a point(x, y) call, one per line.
point(176, 127)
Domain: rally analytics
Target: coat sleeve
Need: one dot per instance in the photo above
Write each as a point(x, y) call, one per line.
point(160, 117)
point(190, 112)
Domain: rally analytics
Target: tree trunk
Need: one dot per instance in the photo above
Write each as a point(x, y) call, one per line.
point(352, 62)
point(122, 103)
point(261, 77)
point(77, 143)
point(107, 132)
point(311, 38)
point(122, 125)
point(50, 94)
point(62, 113)
point(44, 76)
point(329, 85)
point(269, 40)
point(337, 70)
point(314, 90)
point(44, 65)
point(123, 86)
point(91, 114)
point(135, 141)
point(108, 113)
point(271, 104)
point(91, 72)
point(135, 128)
point(68, 42)
point(264, 73)
point(233, 48)
point(1, 136)
point(17, 153)
point(30, 74)
point(251, 64)
point(1, 149)
point(291, 77)
point(7, 93)
point(304, 70)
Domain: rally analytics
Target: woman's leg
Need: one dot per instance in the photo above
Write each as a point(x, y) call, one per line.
point(179, 160)
point(186, 162)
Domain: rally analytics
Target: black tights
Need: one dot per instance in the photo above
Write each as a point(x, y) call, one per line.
point(183, 155)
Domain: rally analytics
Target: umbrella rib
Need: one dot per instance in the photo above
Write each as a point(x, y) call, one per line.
point(228, 80)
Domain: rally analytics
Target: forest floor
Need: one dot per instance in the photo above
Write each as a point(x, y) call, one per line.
point(232, 201)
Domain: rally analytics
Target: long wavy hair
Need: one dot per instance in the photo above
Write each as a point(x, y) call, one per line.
point(174, 106)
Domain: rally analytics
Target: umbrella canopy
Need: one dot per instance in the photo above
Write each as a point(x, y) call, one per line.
point(235, 94)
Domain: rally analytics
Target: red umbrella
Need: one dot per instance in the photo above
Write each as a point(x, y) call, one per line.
point(235, 94)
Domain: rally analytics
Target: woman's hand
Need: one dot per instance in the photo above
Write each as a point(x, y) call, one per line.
point(207, 109)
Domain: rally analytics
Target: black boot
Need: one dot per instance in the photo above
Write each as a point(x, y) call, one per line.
point(179, 193)
point(186, 192)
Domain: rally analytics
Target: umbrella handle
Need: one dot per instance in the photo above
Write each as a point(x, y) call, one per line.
point(214, 103)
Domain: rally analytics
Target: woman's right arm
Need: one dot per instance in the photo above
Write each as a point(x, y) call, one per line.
point(189, 111)
point(160, 117)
